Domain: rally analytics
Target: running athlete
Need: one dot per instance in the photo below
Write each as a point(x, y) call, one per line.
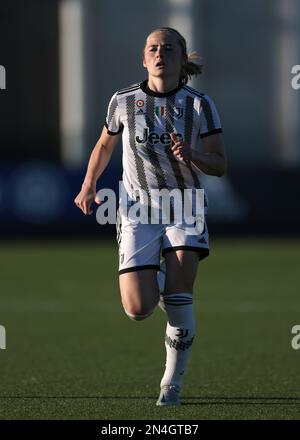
point(170, 133)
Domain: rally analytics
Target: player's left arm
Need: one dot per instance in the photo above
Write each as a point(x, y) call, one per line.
point(212, 160)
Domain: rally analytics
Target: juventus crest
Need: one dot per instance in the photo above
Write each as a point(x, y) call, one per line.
point(178, 112)
point(161, 111)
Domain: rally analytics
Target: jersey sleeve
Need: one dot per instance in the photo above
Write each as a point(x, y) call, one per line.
point(209, 118)
point(113, 119)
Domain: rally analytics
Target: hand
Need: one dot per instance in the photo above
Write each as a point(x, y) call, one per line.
point(181, 152)
point(85, 199)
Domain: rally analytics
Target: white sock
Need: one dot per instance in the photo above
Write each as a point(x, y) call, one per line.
point(180, 333)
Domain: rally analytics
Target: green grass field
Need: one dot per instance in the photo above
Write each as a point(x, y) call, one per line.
point(73, 354)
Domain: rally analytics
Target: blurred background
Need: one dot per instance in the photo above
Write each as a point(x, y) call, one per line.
point(67, 335)
point(64, 59)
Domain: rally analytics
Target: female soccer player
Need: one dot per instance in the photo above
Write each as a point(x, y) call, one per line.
point(162, 122)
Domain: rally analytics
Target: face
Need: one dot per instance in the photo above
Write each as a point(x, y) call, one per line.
point(163, 55)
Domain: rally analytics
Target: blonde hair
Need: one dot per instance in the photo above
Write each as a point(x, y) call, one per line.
point(189, 68)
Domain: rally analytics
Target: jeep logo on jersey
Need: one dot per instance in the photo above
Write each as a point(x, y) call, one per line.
point(154, 138)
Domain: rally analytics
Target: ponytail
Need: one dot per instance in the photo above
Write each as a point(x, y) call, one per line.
point(190, 68)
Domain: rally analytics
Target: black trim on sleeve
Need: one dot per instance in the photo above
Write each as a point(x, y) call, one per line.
point(128, 90)
point(193, 91)
point(136, 268)
point(203, 252)
point(113, 133)
point(209, 133)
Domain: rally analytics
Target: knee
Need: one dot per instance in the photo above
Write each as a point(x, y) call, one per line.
point(137, 314)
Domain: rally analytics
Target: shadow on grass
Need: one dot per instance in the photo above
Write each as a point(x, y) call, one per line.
point(243, 400)
point(196, 400)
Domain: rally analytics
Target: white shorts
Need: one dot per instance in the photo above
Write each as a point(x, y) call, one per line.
point(140, 245)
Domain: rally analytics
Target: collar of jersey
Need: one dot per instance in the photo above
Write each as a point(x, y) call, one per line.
point(145, 88)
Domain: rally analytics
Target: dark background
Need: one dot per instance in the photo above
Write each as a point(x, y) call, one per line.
point(56, 96)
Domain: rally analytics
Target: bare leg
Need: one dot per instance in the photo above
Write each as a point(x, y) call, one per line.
point(139, 293)
point(181, 271)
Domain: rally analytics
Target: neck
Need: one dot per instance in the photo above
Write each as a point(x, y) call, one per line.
point(162, 85)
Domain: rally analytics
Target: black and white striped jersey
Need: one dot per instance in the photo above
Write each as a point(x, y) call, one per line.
point(146, 119)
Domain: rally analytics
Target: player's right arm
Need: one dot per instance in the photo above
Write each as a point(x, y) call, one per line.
point(98, 161)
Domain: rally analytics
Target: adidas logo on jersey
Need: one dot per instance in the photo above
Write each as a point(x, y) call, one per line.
point(154, 138)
